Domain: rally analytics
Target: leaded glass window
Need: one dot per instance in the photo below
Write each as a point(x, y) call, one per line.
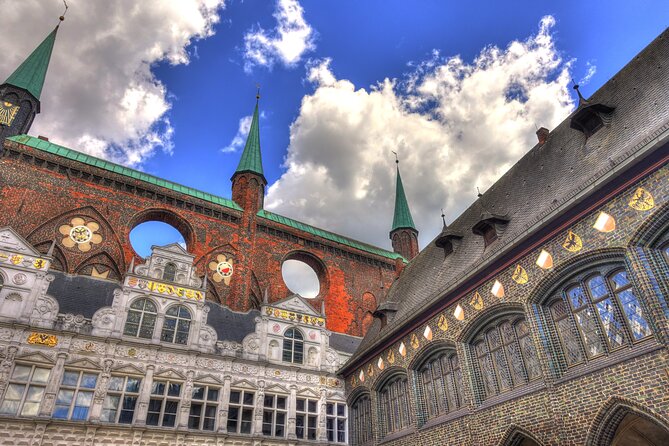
point(141, 319)
point(361, 421)
point(164, 403)
point(75, 395)
point(176, 325)
point(274, 415)
point(598, 314)
point(293, 346)
point(441, 383)
point(506, 356)
point(336, 422)
point(121, 399)
point(394, 401)
point(170, 272)
point(306, 418)
point(25, 390)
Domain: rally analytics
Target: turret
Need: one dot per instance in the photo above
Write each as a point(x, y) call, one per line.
point(404, 235)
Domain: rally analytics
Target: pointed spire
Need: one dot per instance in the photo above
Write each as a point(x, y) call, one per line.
point(132, 265)
point(31, 73)
point(251, 160)
point(402, 217)
point(443, 218)
point(51, 248)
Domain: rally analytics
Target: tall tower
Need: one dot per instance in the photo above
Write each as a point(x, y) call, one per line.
point(248, 181)
point(404, 235)
point(20, 93)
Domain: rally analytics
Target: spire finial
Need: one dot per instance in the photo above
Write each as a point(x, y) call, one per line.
point(62, 17)
point(478, 192)
point(51, 248)
point(257, 92)
point(443, 217)
point(578, 92)
point(397, 160)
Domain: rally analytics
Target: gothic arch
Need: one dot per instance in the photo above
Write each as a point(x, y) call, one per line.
point(605, 425)
point(654, 227)
point(517, 436)
point(429, 350)
point(474, 326)
point(554, 279)
point(101, 259)
point(387, 374)
point(357, 393)
point(166, 216)
point(317, 265)
point(58, 260)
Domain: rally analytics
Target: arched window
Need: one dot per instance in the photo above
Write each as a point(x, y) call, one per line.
point(361, 421)
point(440, 379)
point(176, 325)
point(141, 319)
point(505, 356)
point(170, 272)
point(394, 405)
point(597, 313)
point(293, 346)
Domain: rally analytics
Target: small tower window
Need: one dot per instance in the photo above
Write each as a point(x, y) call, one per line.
point(176, 326)
point(293, 346)
point(170, 272)
point(141, 319)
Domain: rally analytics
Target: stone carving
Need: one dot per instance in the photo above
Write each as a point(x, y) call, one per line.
point(208, 336)
point(252, 343)
point(103, 320)
point(45, 311)
point(14, 297)
point(71, 322)
point(19, 278)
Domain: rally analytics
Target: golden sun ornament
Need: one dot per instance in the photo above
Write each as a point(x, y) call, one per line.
point(222, 268)
point(80, 234)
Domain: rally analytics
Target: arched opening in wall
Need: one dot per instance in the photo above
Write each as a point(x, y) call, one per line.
point(154, 233)
point(159, 227)
point(635, 430)
point(304, 274)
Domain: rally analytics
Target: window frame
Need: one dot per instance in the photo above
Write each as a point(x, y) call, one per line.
point(290, 345)
point(77, 390)
point(242, 408)
point(142, 313)
point(122, 395)
point(394, 394)
point(205, 403)
point(450, 377)
point(360, 421)
point(335, 418)
point(274, 410)
point(561, 294)
point(164, 398)
point(27, 385)
point(173, 277)
point(165, 330)
point(307, 415)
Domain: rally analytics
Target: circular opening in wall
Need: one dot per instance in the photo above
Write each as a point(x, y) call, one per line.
point(300, 278)
point(151, 233)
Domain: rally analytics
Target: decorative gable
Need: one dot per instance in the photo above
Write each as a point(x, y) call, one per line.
point(207, 379)
point(297, 304)
point(11, 241)
point(169, 374)
point(306, 392)
point(38, 357)
point(84, 364)
point(274, 388)
point(243, 384)
point(129, 369)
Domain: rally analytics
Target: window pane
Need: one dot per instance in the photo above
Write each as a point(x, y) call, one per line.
point(115, 383)
point(133, 385)
point(248, 398)
point(281, 402)
point(577, 297)
point(70, 378)
point(234, 397)
point(41, 375)
point(212, 395)
point(157, 388)
point(89, 380)
point(634, 313)
point(590, 332)
point(21, 372)
point(620, 280)
point(612, 325)
point(174, 389)
point(597, 287)
point(198, 392)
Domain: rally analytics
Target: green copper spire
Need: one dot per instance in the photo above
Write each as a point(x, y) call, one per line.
point(402, 217)
point(31, 73)
point(251, 161)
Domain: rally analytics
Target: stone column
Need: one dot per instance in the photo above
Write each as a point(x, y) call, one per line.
point(292, 404)
point(158, 327)
point(260, 404)
point(321, 430)
point(186, 401)
point(101, 391)
point(224, 404)
point(6, 368)
point(144, 396)
point(52, 386)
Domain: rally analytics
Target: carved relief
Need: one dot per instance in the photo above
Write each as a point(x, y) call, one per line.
point(45, 311)
point(208, 336)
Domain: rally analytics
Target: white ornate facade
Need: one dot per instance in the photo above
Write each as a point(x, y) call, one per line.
point(88, 361)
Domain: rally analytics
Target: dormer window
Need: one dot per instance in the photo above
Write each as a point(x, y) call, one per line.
point(170, 272)
point(589, 117)
point(447, 240)
point(487, 227)
point(293, 346)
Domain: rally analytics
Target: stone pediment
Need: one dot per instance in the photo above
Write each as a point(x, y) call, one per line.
point(38, 357)
point(297, 304)
point(274, 388)
point(84, 364)
point(172, 248)
point(207, 379)
point(169, 373)
point(308, 393)
point(243, 384)
point(11, 241)
point(129, 369)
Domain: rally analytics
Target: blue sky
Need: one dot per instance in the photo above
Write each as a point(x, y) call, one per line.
point(162, 87)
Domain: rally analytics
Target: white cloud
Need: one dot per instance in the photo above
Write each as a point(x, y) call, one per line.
point(240, 138)
point(100, 95)
point(456, 125)
point(591, 70)
point(287, 42)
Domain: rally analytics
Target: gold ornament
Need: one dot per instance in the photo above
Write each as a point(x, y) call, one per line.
point(642, 200)
point(477, 301)
point(80, 234)
point(442, 323)
point(415, 343)
point(222, 269)
point(520, 275)
point(42, 339)
point(573, 242)
point(8, 112)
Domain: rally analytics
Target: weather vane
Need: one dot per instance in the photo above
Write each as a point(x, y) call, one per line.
point(257, 91)
point(397, 161)
point(62, 17)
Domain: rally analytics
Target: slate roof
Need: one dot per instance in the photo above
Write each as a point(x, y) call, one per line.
point(344, 343)
point(31, 73)
point(549, 179)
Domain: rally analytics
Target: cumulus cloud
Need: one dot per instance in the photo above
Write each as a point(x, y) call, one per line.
point(100, 95)
point(455, 124)
point(240, 138)
point(287, 42)
point(590, 71)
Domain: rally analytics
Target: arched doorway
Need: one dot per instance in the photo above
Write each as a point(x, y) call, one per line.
point(637, 431)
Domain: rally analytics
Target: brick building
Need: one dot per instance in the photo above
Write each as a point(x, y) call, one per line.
point(540, 315)
point(202, 345)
